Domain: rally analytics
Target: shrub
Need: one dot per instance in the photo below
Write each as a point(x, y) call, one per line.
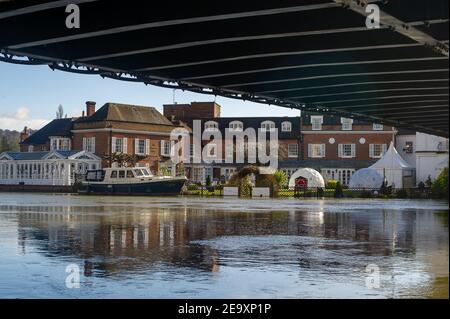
point(401, 193)
point(192, 187)
point(439, 188)
point(338, 191)
point(366, 194)
point(332, 183)
point(208, 181)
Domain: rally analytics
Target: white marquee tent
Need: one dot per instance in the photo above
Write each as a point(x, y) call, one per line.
point(392, 166)
point(313, 177)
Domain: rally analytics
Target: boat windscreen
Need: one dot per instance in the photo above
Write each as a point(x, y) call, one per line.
point(138, 172)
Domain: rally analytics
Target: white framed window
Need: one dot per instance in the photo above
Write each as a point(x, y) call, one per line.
point(316, 122)
point(236, 126)
point(30, 148)
point(347, 124)
point(377, 127)
point(211, 126)
point(165, 148)
point(292, 150)
point(229, 149)
point(409, 147)
point(316, 150)
point(267, 126)
point(211, 149)
point(140, 146)
point(286, 126)
point(377, 150)
point(60, 143)
point(119, 144)
point(347, 150)
point(89, 144)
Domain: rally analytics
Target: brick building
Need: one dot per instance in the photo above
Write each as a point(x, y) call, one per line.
point(120, 128)
point(337, 146)
point(333, 145)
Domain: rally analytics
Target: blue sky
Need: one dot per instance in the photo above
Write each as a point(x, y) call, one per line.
point(30, 95)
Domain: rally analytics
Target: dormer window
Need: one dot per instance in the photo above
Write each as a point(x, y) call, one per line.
point(316, 122)
point(286, 126)
point(346, 124)
point(267, 126)
point(60, 143)
point(211, 126)
point(236, 126)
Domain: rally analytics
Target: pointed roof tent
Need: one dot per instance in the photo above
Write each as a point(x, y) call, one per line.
point(391, 160)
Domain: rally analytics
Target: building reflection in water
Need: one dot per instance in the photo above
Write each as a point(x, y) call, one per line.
point(108, 240)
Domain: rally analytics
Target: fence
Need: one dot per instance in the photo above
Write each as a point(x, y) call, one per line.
point(300, 192)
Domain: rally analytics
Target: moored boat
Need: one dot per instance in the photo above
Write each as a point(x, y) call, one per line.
point(129, 181)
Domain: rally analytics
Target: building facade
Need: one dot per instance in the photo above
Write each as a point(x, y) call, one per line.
point(428, 154)
point(114, 128)
point(333, 145)
point(337, 146)
point(57, 168)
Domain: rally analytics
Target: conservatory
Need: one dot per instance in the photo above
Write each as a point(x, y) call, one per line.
point(57, 168)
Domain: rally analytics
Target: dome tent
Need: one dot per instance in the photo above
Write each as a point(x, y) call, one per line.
point(392, 166)
point(366, 178)
point(313, 177)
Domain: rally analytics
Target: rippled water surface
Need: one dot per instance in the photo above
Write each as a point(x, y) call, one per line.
point(183, 247)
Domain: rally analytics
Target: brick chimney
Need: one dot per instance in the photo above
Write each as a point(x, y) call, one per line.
point(24, 134)
point(90, 108)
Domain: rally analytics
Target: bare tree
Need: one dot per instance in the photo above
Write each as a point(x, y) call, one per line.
point(60, 113)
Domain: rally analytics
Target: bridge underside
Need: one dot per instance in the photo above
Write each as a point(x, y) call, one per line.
point(314, 55)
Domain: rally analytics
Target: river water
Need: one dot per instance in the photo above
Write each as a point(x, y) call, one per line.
point(189, 247)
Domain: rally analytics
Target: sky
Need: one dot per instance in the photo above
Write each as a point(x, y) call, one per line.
point(30, 95)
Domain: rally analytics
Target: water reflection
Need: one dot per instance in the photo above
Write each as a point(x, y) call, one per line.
point(215, 252)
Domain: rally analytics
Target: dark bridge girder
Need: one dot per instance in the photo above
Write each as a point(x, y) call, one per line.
point(314, 55)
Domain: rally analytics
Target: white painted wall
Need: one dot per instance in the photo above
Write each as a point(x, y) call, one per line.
point(429, 152)
point(260, 192)
point(427, 165)
point(400, 144)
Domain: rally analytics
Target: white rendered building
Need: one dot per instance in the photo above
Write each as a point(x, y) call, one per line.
point(45, 168)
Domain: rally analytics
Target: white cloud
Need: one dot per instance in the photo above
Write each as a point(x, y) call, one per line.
point(19, 119)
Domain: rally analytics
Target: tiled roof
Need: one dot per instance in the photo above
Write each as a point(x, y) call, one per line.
point(330, 120)
point(30, 156)
point(26, 155)
point(57, 127)
point(127, 113)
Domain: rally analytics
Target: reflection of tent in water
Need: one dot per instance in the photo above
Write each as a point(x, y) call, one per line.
point(393, 167)
point(306, 177)
point(366, 178)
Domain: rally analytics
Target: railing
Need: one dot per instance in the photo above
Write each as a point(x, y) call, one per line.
point(314, 192)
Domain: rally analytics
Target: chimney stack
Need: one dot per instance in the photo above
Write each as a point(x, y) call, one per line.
point(90, 108)
point(24, 134)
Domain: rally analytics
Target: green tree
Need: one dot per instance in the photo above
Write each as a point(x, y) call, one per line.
point(164, 171)
point(439, 188)
point(4, 145)
point(123, 159)
point(280, 178)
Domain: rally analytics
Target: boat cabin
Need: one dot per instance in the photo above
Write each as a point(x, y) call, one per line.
point(118, 174)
